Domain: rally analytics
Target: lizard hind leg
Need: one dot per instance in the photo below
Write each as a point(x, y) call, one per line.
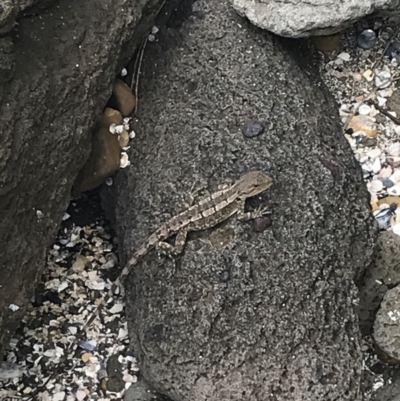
point(180, 241)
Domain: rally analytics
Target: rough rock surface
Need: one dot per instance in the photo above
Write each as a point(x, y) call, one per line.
point(56, 74)
point(387, 324)
point(300, 18)
point(379, 277)
point(268, 315)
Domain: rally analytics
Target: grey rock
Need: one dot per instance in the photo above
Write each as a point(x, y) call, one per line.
point(387, 324)
point(391, 390)
point(315, 17)
point(282, 324)
point(59, 73)
point(379, 277)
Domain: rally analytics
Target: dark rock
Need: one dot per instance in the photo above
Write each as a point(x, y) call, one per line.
point(283, 326)
point(57, 69)
point(379, 278)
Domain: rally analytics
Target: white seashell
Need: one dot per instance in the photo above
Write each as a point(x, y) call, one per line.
point(395, 190)
point(112, 128)
point(376, 166)
point(13, 307)
point(124, 160)
point(364, 110)
point(374, 153)
point(344, 56)
point(132, 134)
point(124, 72)
point(393, 149)
point(396, 229)
point(117, 308)
point(382, 79)
point(381, 100)
point(375, 186)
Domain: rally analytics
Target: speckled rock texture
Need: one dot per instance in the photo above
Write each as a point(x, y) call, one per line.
point(57, 68)
point(270, 315)
point(379, 278)
point(298, 18)
point(387, 324)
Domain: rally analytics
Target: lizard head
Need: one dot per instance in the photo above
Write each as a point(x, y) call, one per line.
point(253, 183)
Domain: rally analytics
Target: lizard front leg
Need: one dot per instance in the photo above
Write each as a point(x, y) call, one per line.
point(255, 214)
point(180, 242)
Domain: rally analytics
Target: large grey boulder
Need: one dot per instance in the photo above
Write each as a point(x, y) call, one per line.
point(248, 312)
point(299, 18)
point(57, 68)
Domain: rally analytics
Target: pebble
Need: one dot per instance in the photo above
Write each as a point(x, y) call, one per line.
point(394, 190)
point(386, 172)
point(393, 149)
point(344, 56)
point(387, 182)
point(252, 129)
point(374, 153)
point(376, 186)
point(366, 39)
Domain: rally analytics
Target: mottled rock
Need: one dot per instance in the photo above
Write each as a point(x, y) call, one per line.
point(267, 314)
point(387, 324)
point(315, 17)
point(56, 75)
point(380, 277)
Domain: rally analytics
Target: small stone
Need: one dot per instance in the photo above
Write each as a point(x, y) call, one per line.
point(394, 161)
point(374, 153)
point(124, 72)
point(80, 395)
point(375, 186)
point(89, 345)
point(364, 110)
point(368, 141)
point(154, 30)
point(27, 390)
point(368, 75)
point(59, 396)
point(386, 172)
point(366, 39)
point(344, 56)
point(39, 214)
point(151, 38)
point(387, 183)
point(252, 129)
point(117, 308)
point(393, 149)
point(109, 181)
point(395, 190)
point(363, 123)
point(128, 378)
point(86, 356)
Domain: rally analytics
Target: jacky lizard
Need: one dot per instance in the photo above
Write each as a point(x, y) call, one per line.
point(206, 214)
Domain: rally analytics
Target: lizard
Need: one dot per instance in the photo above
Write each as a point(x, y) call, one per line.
point(203, 215)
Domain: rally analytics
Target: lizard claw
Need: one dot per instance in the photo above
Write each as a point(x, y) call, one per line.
point(259, 212)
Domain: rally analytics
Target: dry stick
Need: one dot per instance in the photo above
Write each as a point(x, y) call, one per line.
point(383, 111)
point(387, 47)
point(138, 74)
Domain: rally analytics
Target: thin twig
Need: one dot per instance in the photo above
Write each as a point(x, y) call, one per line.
point(138, 74)
point(387, 47)
point(384, 112)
